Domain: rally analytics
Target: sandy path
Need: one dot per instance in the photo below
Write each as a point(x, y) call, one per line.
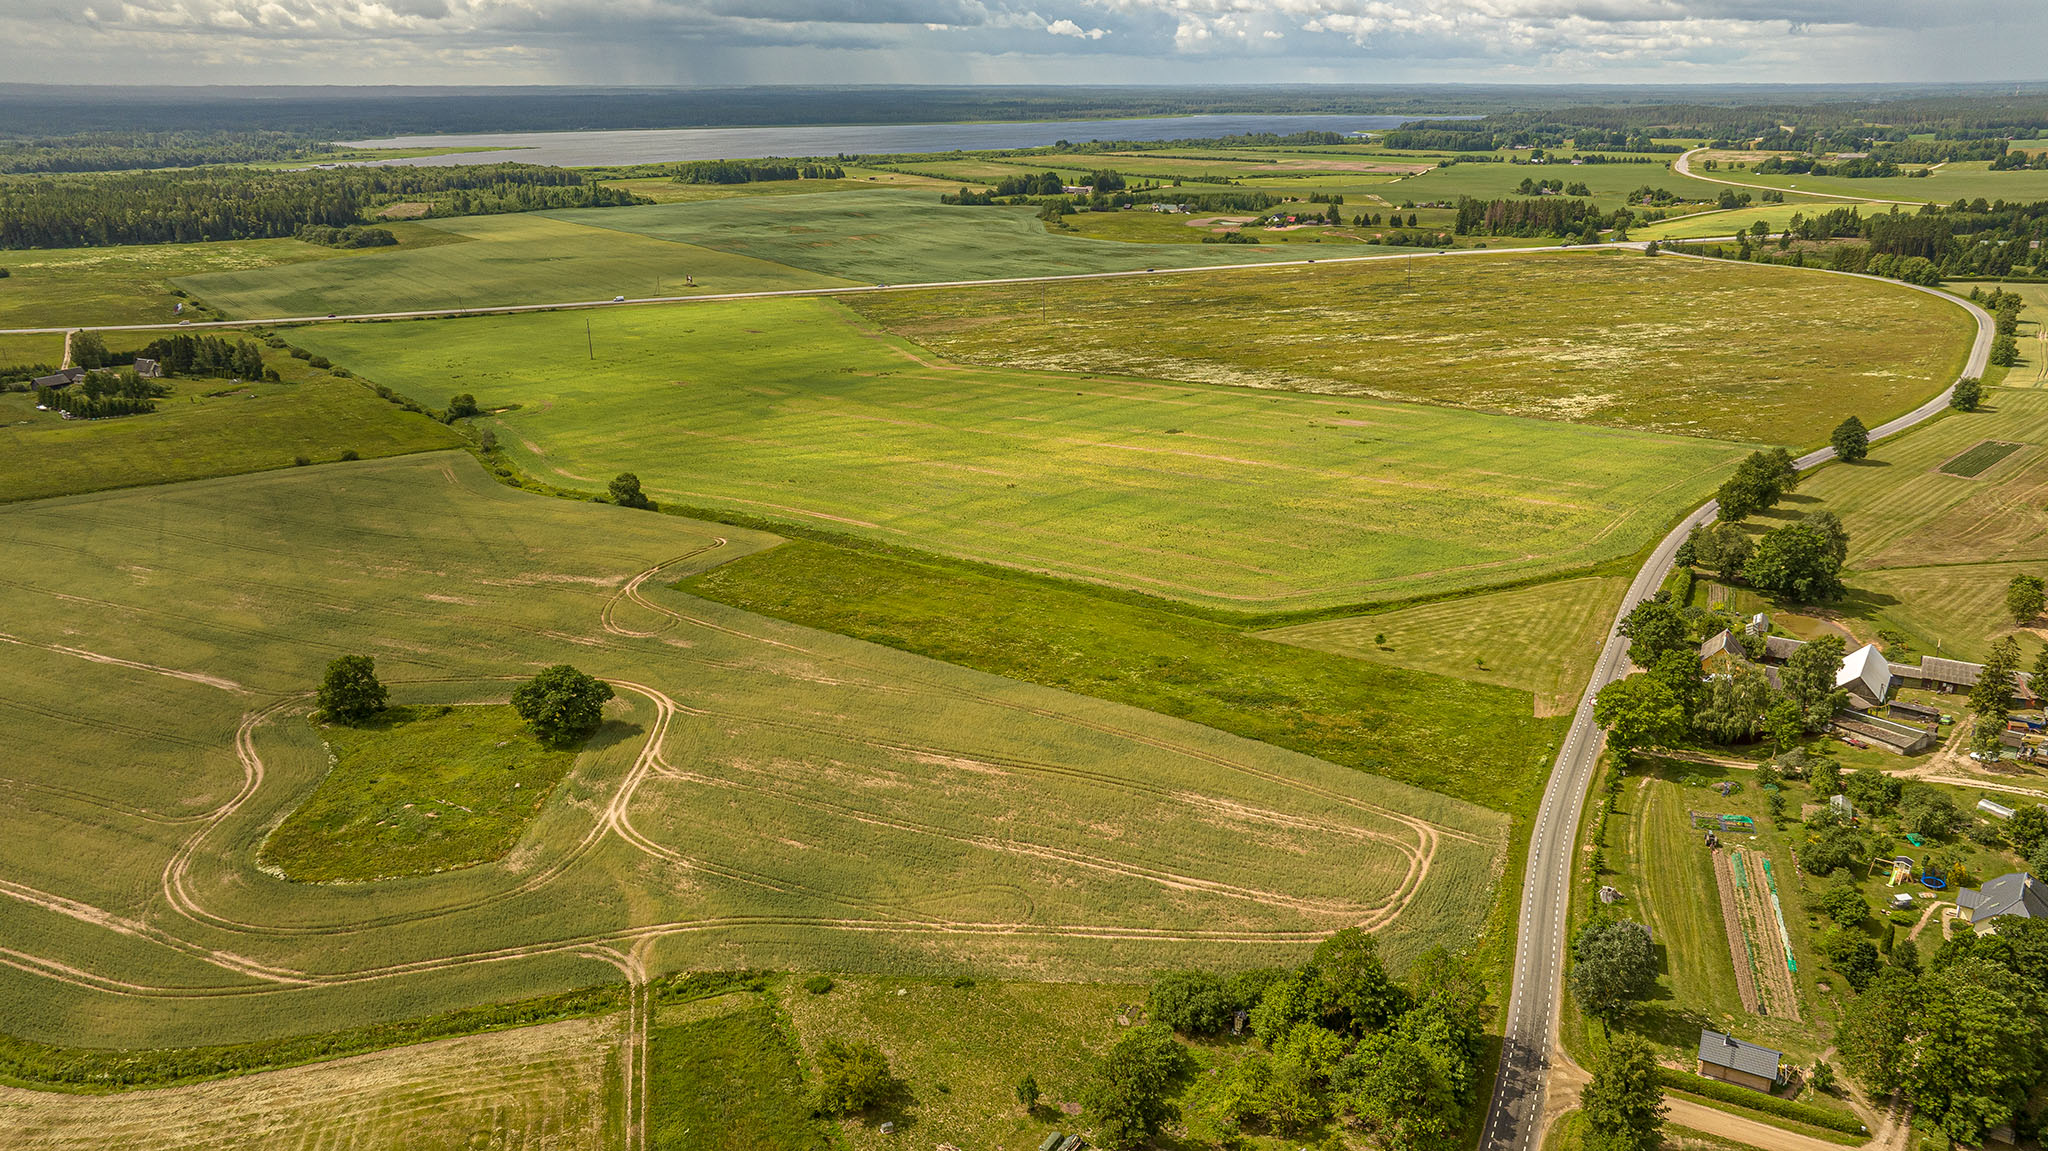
point(1754, 1132)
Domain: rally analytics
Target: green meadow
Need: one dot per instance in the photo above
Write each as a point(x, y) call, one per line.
point(416, 790)
point(1543, 639)
point(205, 428)
point(493, 260)
point(129, 284)
point(797, 411)
point(1736, 352)
point(1478, 741)
point(760, 796)
point(893, 237)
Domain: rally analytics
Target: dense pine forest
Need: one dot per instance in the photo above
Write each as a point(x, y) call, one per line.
point(239, 204)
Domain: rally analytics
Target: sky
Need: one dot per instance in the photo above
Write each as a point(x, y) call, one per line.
point(686, 42)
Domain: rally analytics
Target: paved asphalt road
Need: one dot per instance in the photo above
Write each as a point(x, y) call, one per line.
point(1515, 1115)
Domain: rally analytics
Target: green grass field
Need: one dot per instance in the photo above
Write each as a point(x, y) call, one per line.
point(194, 435)
point(895, 237)
point(1974, 462)
point(1609, 183)
point(67, 287)
point(414, 791)
point(1726, 223)
point(492, 260)
point(728, 1082)
point(1541, 639)
point(796, 410)
point(1667, 345)
point(961, 1051)
point(1470, 740)
point(731, 813)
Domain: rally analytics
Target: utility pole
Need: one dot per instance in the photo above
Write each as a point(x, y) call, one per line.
point(588, 343)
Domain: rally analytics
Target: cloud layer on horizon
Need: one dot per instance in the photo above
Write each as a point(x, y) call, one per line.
point(1014, 41)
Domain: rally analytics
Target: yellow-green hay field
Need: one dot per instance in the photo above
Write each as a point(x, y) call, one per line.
point(1543, 639)
point(546, 1088)
point(1254, 500)
point(1737, 352)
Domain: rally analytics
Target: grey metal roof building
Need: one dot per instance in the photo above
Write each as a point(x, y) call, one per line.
point(2015, 894)
point(1729, 1053)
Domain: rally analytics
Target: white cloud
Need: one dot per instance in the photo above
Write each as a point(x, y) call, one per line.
point(1065, 27)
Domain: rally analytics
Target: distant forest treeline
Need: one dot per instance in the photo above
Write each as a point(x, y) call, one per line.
point(240, 204)
point(116, 151)
point(354, 113)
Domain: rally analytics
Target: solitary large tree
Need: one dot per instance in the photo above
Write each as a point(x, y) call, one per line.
point(349, 692)
point(1613, 965)
point(563, 706)
point(1798, 561)
point(1991, 697)
point(1624, 1106)
point(624, 490)
point(2024, 598)
point(1640, 711)
point(1809, 679)
point(1129, 1095)
point(1851, 440)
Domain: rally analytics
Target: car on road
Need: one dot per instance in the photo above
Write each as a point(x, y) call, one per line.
point(618, 299)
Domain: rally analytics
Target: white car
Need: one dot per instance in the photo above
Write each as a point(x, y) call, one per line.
point(618, 299)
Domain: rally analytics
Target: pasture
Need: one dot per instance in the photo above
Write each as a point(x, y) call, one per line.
point(1608, 183)
point(797, 411)
point(205, 428)
point(527, 258)
point(894, 237)
point(1542, 639)
point(127, 284)
point(1745, 353)
point(761, 795)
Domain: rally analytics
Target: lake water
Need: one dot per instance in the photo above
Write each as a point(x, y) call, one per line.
point(583, 149)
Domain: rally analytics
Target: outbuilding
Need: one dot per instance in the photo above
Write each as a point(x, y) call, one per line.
point(1732, 1060)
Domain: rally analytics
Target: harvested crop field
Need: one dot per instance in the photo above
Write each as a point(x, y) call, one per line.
point(1771, 355)
point(796, 411)
point(543, 1088)
point(761, 795)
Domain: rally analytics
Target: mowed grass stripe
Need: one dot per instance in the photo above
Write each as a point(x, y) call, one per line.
point(1901, 510)
point(797, 411)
